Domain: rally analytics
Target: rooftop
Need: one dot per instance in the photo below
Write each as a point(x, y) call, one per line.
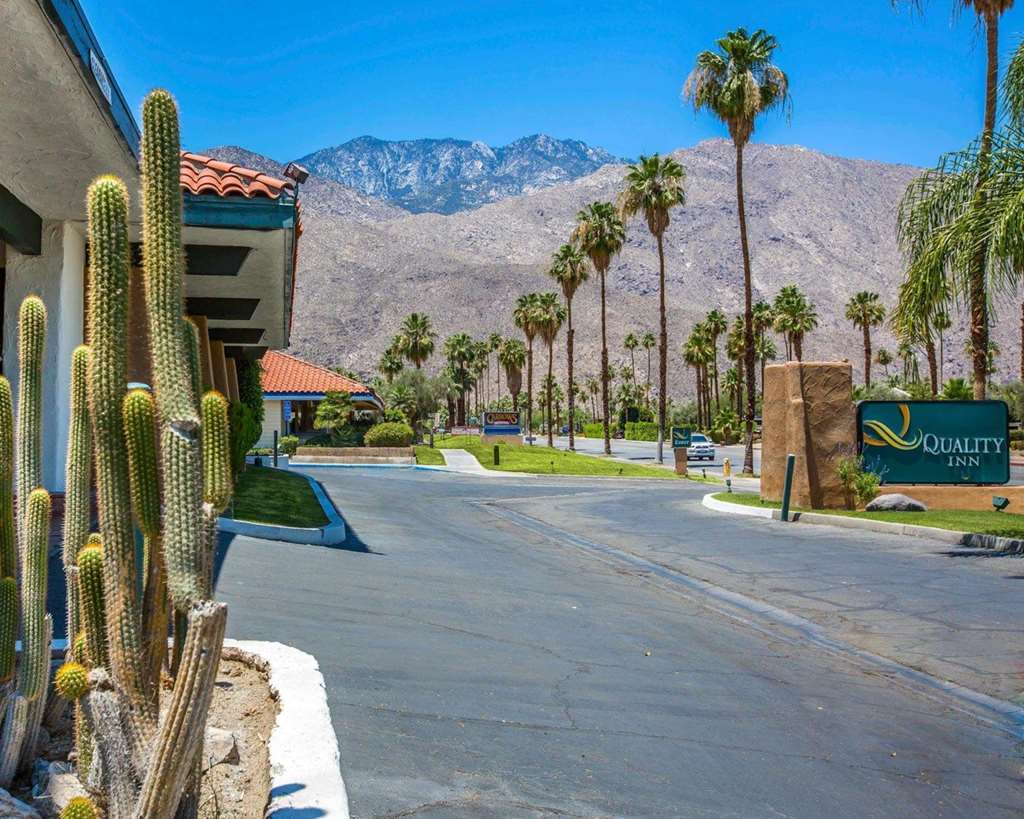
point(201, 174)
point(286, 374)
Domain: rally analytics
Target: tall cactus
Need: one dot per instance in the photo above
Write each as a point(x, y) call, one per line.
point(8, 626)
point(78, 480)
point(108, 312)
point(35, 654)
point(31, 346)
point(217, 484)
point(93, 615)
point(8, 537)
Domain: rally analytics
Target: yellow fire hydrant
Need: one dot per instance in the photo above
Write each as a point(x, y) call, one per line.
point(727, 474)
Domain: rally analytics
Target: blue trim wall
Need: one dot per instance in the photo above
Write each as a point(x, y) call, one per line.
point(70, 20)
point(318, 396)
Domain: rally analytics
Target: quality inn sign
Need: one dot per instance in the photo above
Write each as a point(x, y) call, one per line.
point(947, 442)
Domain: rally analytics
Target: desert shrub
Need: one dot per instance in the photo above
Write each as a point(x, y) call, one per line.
point(641, 431)
point(860, 485)
point(245, 430)
point(865, 486)
point(288, 444)
point(389, 434)
point(593, 431)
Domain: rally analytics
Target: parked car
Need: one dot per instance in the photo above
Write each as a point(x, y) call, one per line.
point(700, 448)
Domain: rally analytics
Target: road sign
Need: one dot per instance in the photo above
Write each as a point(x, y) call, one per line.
point(286, 410)
point(503, 423)
point(681, 437)
point(947, 442)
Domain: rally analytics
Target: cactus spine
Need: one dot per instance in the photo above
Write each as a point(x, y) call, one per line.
point(78, 475)
point(140, 434)
point(35, 653)
point(8, 538)
point(8, 626)
point(216, 451)
point(31, 346)
point(108, 313)
point(79, 807)
point(90, 579)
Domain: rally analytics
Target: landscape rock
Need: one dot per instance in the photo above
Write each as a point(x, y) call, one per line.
point(221, 748)
point(11, 808)
point(896, 502)
point(60, 787)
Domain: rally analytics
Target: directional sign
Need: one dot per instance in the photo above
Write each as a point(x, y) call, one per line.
point(681, 437)
point(502, 423)
point(286, 410)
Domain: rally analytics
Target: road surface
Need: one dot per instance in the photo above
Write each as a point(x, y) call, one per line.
point(645, 452)
point(533, 647)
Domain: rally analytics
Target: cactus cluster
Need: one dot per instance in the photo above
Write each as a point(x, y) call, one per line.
point(160, 461)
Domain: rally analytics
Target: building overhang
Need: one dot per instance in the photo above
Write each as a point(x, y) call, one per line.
point(361, 400)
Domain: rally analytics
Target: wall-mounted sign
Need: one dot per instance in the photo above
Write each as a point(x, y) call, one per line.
point(502, 423)
point(100, 74)
point(681, 437)
point(948, 442)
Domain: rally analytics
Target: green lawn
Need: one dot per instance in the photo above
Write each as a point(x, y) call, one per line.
point(429, 457)
point(1002, 524)
point(266, 495)
point(540, 460)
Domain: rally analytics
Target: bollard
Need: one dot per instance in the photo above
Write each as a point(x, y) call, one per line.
point(727, 474)
point(787, 487)
point(497, 456)
point(275, 449)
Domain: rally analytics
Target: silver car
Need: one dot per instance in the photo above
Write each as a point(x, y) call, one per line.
point(700, 448)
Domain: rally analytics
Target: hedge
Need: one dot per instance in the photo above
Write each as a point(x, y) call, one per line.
point(390, 433)
point(641, 431)
point(593, 431)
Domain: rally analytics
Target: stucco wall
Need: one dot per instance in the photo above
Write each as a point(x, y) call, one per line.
point(271, 422)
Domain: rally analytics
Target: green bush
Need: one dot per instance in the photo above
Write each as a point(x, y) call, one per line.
point(288, 444)
point(389, 434)
point(593, 431)
point(641, 431)
point(245, 430)
point(859, 484)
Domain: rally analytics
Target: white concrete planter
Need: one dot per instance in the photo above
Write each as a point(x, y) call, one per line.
point(305, 772)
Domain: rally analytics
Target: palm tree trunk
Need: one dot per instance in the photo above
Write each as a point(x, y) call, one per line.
point(867, 356)
point(604, 372)
point(714, 370)
point(798, 347)
point(649, 370)
point(762, 384)
point(551, 389)
point(748, 318)
point(933, 365)
point(529, 390)
point(662, 351)
point(1022, 341)
point(572, 390)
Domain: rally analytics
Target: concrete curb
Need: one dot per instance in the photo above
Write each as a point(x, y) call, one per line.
point(305, 769)
point(950, 536)
point(330, 534)
point(320, 465)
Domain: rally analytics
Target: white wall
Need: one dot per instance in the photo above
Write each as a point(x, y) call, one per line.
point(56, 276)
point(272, 421)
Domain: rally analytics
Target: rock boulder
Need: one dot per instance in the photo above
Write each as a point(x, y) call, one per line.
point(896, 503)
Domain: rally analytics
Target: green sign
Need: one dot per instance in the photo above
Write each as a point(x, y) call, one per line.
point(681, 437)
point(947, 442)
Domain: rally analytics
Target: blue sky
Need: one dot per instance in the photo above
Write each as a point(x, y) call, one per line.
point(287, 78)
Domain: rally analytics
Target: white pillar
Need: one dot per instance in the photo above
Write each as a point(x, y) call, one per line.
point(67, 331)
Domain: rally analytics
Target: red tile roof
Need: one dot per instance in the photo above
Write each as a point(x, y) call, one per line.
point(284, 373)
point(203, 174)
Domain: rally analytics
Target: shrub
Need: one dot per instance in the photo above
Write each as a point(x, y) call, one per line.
point(641, 431)
point(865, 487)
point(288, 444)
point(593, 431)
point(860, 485)
point(389, 434)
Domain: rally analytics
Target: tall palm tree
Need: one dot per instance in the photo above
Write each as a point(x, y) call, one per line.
point(883, 358)
point(652, 188)
point(649, 342)
point(907, 354)
point(416, 338)
point(569, 268)
point(550, 315)
point(593, 389)
point(512, 356)
point(795, 316)
point(716, 324)
point(460, 351)
point(866, 310)
point(524, 318)
point(389, 365)
point(972, 265)
point(600, 234)
point(631, 342)
point(941, 322)
point(494, 342)
point(737, 83)
point(766, 351)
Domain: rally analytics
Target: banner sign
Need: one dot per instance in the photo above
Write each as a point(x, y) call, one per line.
point(502, 423)
point(681, 437)
point(945, 442)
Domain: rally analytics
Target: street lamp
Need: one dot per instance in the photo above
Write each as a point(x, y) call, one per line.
point(296, 173)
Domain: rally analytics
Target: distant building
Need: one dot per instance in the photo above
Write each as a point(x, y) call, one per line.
point(292, 388)
point(66, 122)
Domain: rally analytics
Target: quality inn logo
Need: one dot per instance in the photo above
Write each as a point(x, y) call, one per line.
point(953, 450)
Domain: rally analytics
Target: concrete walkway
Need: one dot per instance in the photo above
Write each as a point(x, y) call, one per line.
point(465, 463)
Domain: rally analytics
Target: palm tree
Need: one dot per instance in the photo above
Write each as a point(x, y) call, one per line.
point(333, 413)
point(795, 316)
point(866, 310)
point(737, 83)
point(883, 358)
point(523, 316)
point(906, 352)
point(716, 324)
point(569, 269)
point(941, 322)
point(923, 216)
point(460, 351)
point(416, 339)
point(653, 187)
point(550, 315)
point(389, 365)
point(512, 356)
point(734, 386)
point(766, 351)
point(600, 234)
point(593, 388)
point(735, 350)
point(648, 342)
point(631, 342)
point(495, 340)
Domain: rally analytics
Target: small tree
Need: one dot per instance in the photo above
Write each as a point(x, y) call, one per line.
point(333, 413)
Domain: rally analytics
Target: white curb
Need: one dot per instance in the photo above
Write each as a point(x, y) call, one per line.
point(305, 771)
point(711, 502)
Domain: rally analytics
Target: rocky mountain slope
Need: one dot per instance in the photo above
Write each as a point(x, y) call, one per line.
point(449, 175)
point(822, 222)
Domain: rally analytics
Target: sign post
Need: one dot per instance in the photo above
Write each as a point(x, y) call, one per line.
point(681, 443)
point(504, 423)
point(935, 442)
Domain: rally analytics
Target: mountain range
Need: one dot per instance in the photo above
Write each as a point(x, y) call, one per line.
point(824, 223)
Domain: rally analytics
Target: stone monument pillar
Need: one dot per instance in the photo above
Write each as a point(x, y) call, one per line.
point(808, 411)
